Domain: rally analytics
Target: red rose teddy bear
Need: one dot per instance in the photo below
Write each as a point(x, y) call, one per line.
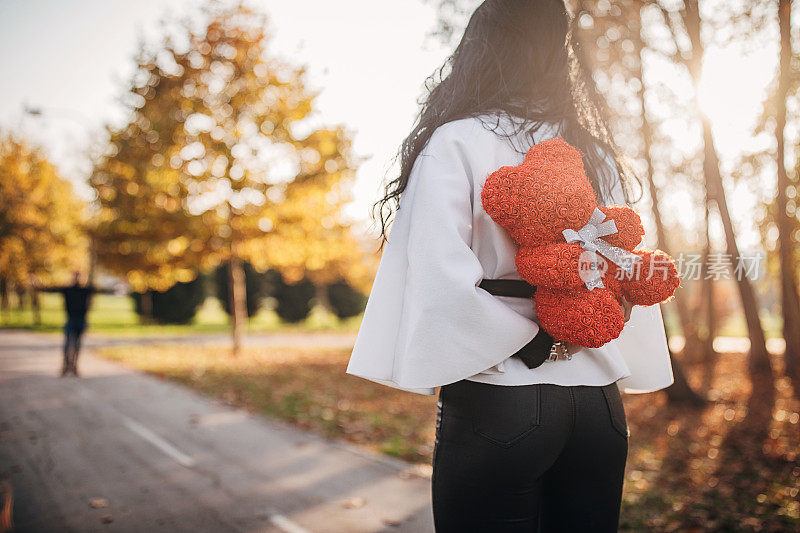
point(550, 210)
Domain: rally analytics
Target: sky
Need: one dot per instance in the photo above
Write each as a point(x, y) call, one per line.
point(369, 59)
point(71, 59)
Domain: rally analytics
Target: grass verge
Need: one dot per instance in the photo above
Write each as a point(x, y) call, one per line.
point(115, 315)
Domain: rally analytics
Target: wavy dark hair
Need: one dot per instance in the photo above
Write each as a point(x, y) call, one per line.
point(521, 59)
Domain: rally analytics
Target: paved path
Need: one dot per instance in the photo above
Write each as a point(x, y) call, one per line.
point(117, 450)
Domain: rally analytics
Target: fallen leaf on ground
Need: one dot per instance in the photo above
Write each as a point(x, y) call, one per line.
point(98, 503)
point(354, 503)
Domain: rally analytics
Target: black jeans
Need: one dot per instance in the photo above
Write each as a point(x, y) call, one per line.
point(73, 330)
point(534, 458)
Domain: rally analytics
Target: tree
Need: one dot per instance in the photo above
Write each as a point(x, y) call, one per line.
point(252, 142)
point(312, 239)
point(687, 21)
point(41, 221)
point(685, 47)
point(777, 215)
point(144, 230)
point(785, 219)
point(228, 135)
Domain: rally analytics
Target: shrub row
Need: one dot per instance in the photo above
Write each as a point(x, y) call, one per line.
point(292, 302)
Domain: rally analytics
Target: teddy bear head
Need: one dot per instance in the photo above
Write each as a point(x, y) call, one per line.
point(544, 195)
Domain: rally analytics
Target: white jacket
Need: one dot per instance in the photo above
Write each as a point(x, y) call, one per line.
point(427, 323)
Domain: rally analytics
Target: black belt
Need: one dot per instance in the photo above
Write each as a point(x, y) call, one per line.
point(540, 347)
point(518, 288)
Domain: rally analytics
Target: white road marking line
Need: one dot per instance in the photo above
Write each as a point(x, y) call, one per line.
point(287, 525)
point(170, 450)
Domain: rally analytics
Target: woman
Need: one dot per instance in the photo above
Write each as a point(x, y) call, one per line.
point(520, 446)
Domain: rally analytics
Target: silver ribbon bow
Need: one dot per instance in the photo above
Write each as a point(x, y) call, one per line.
point(590, 240)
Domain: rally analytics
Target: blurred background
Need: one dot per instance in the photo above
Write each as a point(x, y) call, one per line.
point(210, 167)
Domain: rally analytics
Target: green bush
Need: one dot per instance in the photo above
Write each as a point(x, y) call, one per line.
point(293, 302)
point(176, 305)
point(345, 300)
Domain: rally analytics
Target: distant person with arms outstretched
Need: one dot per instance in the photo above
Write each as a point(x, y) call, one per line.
point(77, 301)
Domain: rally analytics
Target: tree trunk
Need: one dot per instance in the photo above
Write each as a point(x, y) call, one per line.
point(92, 261)
point(680, 391)
point(36, 306)
point(759, 361)
point(759, 364)
point(688, 326)
point(20, 292)
point(147, 307)
point(238, 303)
point(708, 353)
point(322, 296)
point(789, 297)
point(4, 307)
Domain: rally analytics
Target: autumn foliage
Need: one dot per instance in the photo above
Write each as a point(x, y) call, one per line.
point(41, 218)
point(224, 161)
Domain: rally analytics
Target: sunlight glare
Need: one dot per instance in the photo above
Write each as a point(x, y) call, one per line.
point(731, 92)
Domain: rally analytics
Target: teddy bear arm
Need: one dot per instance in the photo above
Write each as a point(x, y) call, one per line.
point(654, 279)
point(629, 226)
point(553, 265)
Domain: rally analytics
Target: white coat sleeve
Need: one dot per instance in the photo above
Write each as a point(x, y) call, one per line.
point(426, 322)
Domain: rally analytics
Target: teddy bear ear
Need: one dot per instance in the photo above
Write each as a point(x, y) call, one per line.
point(555, 150)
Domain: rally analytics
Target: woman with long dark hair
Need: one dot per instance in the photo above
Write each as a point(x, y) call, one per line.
point(528, 437)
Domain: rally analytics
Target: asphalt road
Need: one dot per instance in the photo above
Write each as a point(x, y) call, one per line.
point(117, 450)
